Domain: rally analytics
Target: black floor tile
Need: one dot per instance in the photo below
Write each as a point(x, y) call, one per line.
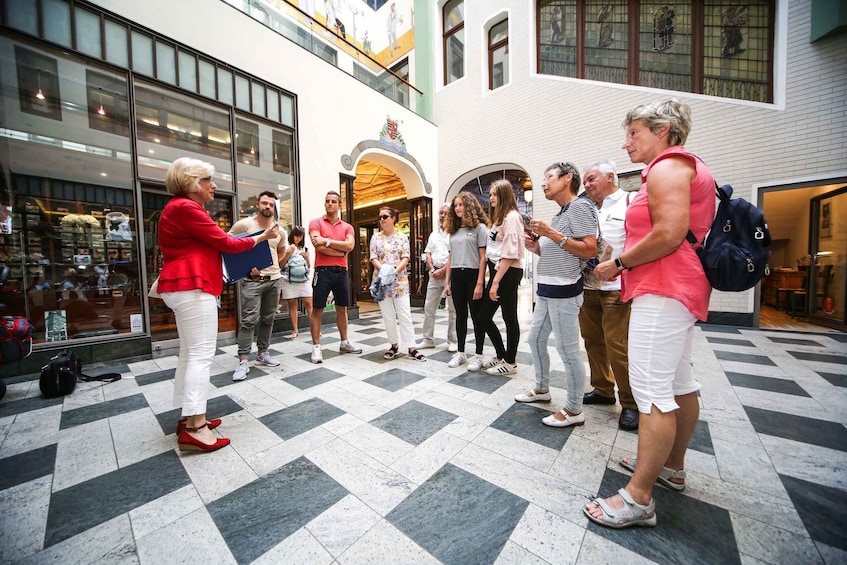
point(823, 510)
point(313, 377)
point(294, 420)
point(217, 407)
point(107, 409)
point(441, 355)
point(687, 530)
point(719, 329)
point(842, 337)
point(795, 341)
point(24, 467)
point(458, 517)
point(771, 384)
point(744, 358)
point(821, 358)
point(524, 421)
point(261, 514)
point(480, 380)
point(413, 422)
point(730, 341)
point(156, 377)
point(12, 407)
point(372, 330)
point(798, 428)
point(835, 379)
point(225, 379)
point(394, 379)
point(701, 440)
point(376, 340)
point(80, 507)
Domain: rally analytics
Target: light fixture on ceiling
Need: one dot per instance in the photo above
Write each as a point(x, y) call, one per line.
point(101, 110)
point(527, 190)
point(252, 149)
point(39, 94)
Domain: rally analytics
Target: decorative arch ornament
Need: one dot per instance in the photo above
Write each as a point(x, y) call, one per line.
point(349, 161)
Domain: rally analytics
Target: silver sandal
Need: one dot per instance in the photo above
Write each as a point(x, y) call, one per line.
point(664, 477)
point(632, 513)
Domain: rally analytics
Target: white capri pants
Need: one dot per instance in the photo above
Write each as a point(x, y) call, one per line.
point(197, 324)
point(661, 331)
point(398, 311)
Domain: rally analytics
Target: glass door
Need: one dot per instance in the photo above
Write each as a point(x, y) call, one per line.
point(827, 280)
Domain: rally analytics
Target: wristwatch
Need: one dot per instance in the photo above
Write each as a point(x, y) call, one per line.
point(563, 242)
point(619, 264)
point(328, 242)
point(432, 271)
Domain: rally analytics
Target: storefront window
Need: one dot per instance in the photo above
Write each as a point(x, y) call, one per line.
point(72, 250)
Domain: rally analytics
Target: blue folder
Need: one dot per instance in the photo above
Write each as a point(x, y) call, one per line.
point(238, 265)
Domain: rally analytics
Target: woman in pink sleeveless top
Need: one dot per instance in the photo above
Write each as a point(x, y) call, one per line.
point(663, 277)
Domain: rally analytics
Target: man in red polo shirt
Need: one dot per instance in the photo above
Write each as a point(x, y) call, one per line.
point(333, 239)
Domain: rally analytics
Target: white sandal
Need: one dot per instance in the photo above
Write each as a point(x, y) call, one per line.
point(570, 419)
point(632, 513)
point(664, 477)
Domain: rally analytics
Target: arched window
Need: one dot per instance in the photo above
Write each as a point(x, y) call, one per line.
point(454, 40)
point(709, 47)
point(498, 55)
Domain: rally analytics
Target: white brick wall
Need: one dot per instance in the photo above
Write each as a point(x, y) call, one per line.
point(537, 120)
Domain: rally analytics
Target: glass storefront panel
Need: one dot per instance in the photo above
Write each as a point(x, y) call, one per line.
point(170, 125)
point(72, 250)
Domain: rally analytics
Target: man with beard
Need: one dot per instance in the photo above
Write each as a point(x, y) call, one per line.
point(259, 291)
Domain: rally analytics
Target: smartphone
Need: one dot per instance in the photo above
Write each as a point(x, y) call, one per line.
point(532, 235)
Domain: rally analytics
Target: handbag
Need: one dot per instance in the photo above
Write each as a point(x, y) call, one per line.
point(60, 375)
point(15, 339)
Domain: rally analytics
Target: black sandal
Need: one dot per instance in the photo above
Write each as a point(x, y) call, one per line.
point(392, 353)
point(416, 355)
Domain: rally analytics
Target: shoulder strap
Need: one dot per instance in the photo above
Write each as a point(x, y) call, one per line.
point(105, 377)
point(722, 194)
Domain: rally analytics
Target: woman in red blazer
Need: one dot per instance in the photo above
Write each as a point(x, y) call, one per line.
point(190, 283)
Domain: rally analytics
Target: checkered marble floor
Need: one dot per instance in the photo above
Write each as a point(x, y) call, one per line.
point(361, 460)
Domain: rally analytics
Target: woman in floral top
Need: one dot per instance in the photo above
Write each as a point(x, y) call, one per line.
point(390, 249)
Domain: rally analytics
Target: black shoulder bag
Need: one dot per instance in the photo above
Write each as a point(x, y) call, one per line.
point(60, 375)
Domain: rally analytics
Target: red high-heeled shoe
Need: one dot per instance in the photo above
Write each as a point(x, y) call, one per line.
point(190, 443)
point(180, 425)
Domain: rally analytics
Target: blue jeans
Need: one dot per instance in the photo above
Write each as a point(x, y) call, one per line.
point(560, 316)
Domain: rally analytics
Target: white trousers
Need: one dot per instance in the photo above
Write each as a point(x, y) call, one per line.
point(398, 311)
point(197, 324)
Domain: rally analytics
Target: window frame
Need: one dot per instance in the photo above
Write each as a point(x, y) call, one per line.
point(447, 35)
point(492, 49)
point(698, 49)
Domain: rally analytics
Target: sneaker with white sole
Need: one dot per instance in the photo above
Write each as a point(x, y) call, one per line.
point(475, 363)
point(457, 359)
point(503, 368)
point(493, 362)
point(533, 395)
point(241, 371)
point(425, 344)
point(317, 356)
point(266, 358)
point(452, 346)
point(349, 348)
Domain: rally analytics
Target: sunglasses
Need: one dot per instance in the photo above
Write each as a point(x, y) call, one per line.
point(384, 217)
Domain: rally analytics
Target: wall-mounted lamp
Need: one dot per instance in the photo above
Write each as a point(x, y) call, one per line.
point(39, 94)
point(101, 110)
point(527, 190)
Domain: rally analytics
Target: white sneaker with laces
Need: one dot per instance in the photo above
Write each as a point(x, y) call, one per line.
point(503, 368)
point(241, 371)
point(349, 348)
point(475, 363)
point(317, 356)
point(493, 362)
point(425, 344)
point(533, 395)
point(266, 358)
point(452, 346)
point(457, 359)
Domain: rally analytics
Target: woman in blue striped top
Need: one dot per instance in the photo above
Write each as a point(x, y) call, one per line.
point(564, 243)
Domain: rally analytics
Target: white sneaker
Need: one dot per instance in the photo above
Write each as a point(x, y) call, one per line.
point(452, 346)
point(317, 356)
point(266, 358)
point(503, 368)
point(457, 359)
point(241, 371)
point(533, 396)
point(425, 344)
point(475, 363)
point(493, 362)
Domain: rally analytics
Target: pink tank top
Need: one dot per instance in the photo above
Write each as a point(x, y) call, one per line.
point(679, 275)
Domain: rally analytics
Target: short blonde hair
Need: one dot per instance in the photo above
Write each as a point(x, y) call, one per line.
point(655, 115)
point(184, 173)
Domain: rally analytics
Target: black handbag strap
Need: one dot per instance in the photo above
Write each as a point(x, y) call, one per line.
point(105, 377)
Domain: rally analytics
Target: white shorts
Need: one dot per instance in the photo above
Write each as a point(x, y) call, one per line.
point(661, 331)
point(296, 290)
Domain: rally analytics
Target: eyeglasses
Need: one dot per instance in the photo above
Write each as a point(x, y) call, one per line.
point(384, 217)
point(550, 177)
point(207, 179)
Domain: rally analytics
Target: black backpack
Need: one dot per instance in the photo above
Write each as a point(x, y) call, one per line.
point(733, 252)
point(60, 375)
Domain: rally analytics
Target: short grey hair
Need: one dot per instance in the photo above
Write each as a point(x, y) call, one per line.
point(564, 169)
point(656, 114)
point(184, 173)
point(605, 166)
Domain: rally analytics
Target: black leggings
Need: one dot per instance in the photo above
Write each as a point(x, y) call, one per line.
point(462, 284)
point(508, 292)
